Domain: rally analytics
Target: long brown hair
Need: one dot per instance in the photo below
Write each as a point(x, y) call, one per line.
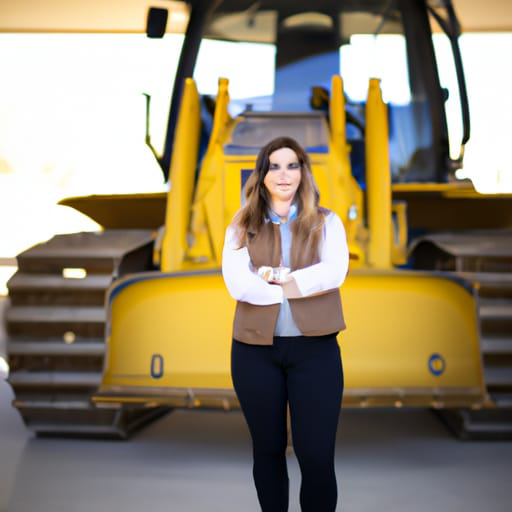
point(306, 228)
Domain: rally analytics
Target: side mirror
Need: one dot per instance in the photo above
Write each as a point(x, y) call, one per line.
point(156, 22)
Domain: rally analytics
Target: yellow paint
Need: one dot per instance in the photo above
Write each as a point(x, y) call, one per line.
point(345, 194)
point(463, 186)
point(182, 177)
point(399, 234)
point(180, 323)
point(337, 115)
point(218, 193)
point(186, 320)
point(378, 178)
point(453, 190)
point(414, 315)
point(207, 221)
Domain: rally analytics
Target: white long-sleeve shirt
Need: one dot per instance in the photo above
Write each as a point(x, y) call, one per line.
point(245, 285)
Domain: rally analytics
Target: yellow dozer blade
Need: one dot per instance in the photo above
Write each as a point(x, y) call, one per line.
point(412, 339)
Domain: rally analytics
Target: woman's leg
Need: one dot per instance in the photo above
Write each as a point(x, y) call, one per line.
point(260, 385)
point(315, 388)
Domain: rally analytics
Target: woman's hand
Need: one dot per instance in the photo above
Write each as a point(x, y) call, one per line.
point(281, 276)
point(277, 275)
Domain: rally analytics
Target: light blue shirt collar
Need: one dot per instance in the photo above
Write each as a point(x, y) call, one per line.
point(276, 219)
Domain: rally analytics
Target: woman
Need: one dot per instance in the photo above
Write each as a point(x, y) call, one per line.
point(284, 259)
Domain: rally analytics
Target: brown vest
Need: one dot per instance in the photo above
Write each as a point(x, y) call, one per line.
point(315, 315)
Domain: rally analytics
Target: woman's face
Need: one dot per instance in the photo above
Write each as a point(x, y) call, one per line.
point(283, 176)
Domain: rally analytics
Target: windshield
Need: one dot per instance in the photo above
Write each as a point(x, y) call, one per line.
point(274, 57)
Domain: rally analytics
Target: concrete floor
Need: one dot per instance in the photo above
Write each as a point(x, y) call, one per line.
point(197, 461)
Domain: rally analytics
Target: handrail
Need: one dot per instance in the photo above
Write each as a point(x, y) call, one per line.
point(451, 28)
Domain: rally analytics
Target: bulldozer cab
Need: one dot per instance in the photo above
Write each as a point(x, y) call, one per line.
point(359, 40)
point(304, 49)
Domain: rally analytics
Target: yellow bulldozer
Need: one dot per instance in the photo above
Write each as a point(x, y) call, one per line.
point(428, 300)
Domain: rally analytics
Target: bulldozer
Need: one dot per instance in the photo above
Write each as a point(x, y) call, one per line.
point(109, 330)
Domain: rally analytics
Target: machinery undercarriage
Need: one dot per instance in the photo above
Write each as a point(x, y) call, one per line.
point(55, 323)
point(56, 326)
point(485, 259)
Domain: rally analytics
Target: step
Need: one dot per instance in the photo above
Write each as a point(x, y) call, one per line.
point(58, 429)
point(103, 244)
point(496, 279)
point(56, 347)
point(55, 282)
point(483, 424)
point(496, 309)
point(502, 400)
point(498, 375)
point(488, 428)
point(52, 290)
point(99, 251)
point(55, 314)
point(53, 404)
point(89, 422)
point(55, 379)
point(496, 345)
point(475, 244)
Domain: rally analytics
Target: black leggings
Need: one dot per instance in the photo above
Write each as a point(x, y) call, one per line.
point(305, 372)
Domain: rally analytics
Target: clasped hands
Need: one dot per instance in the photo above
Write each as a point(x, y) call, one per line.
point(280, 276)
point(274, 275)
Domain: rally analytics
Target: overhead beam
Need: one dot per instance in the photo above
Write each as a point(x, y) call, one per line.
point(86, 16)
point(129, 16)
point(484, 16)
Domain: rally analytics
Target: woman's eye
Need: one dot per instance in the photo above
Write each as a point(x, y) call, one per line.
point(295, 165)
point(273, 167)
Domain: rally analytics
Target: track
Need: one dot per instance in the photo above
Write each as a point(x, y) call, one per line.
point(55, 324)
point(485, 259)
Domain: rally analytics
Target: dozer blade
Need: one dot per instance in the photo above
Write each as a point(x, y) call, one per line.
point(411, 340)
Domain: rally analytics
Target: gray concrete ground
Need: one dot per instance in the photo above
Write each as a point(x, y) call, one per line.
point(198, 461)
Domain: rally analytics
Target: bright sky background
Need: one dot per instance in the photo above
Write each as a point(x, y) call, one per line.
point(72, 117)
